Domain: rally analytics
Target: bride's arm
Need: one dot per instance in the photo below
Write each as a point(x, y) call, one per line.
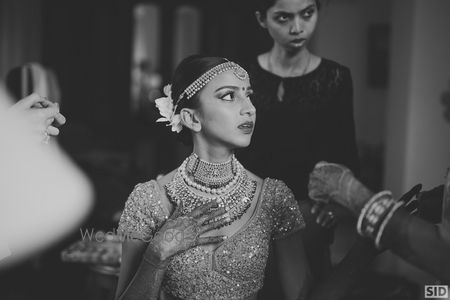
point(139, 278)
point(293, 266)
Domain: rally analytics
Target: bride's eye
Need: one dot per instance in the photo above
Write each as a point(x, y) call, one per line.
point(228, 96)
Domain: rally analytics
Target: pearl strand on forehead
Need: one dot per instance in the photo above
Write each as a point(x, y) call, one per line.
point(206, 77)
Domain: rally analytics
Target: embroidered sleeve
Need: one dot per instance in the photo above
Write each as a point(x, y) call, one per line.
point(143, 213)
point(286, 212)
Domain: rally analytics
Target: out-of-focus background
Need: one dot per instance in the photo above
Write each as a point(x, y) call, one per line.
point(108, 58)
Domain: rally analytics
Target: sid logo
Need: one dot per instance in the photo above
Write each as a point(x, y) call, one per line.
point(436, 291)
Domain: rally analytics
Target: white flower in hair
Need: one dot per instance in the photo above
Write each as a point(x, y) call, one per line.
point(167, 110)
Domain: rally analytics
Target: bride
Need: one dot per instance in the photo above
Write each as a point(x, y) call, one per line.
point(203, 231)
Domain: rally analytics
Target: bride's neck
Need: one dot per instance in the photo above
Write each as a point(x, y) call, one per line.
point(213, 155)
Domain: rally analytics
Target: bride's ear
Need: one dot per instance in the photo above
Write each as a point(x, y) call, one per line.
point(190, 119)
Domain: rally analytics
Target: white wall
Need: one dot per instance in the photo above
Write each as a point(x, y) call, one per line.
point(428, 137)
point(418, 148)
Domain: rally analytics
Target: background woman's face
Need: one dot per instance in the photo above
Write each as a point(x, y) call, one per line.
point(226, 113)
point(291, 22)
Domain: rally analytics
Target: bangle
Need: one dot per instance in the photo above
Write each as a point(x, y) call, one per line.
point(375, 214)
point(385, 222)
point(366, 207)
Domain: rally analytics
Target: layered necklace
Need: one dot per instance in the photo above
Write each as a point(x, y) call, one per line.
point(226, 183)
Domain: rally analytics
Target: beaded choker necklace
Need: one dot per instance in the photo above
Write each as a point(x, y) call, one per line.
point(210, 175)
point(235, 195)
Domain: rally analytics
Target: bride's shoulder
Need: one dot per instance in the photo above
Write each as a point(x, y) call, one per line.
point(255, 177)
point(164, 179)
point(269, 183)
point(275, 187)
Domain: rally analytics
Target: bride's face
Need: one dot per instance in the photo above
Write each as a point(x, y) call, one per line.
point(226, 114)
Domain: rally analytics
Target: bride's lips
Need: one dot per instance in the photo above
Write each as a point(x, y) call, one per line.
point(247, 127)
point(298, 41)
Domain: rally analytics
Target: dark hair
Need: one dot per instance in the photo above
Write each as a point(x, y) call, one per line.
point(262, 6)
point(190, 68)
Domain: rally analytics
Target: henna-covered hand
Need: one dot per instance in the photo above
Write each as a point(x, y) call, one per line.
point(329, 181)
point(182, 232)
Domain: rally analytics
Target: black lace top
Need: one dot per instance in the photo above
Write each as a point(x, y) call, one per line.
point(313, 122)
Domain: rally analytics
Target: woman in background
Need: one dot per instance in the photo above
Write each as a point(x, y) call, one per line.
point(305, 114)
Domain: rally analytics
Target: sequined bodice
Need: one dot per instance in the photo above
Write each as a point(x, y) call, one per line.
point(235, 268)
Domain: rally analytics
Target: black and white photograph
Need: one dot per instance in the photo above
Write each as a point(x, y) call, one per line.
point(224, 149)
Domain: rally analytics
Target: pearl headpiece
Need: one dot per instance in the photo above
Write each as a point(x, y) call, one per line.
point(203, 80)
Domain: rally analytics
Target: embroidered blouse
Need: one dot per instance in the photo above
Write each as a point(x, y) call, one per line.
point(235, 268)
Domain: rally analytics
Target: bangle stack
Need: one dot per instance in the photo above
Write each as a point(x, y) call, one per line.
point(396, 206)
point(375, 215)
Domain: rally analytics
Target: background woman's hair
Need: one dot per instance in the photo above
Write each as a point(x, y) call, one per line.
point(263, 6)
point(190, 68)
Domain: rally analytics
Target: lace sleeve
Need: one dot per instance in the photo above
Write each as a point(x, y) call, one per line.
point(143, 213)
point(286, 212)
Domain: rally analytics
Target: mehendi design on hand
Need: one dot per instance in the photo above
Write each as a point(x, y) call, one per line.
point(180, 233)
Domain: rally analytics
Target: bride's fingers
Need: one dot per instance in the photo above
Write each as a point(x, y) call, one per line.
point(211, 239)
point(202, 209)
point(209, 216)
point(215, 225)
